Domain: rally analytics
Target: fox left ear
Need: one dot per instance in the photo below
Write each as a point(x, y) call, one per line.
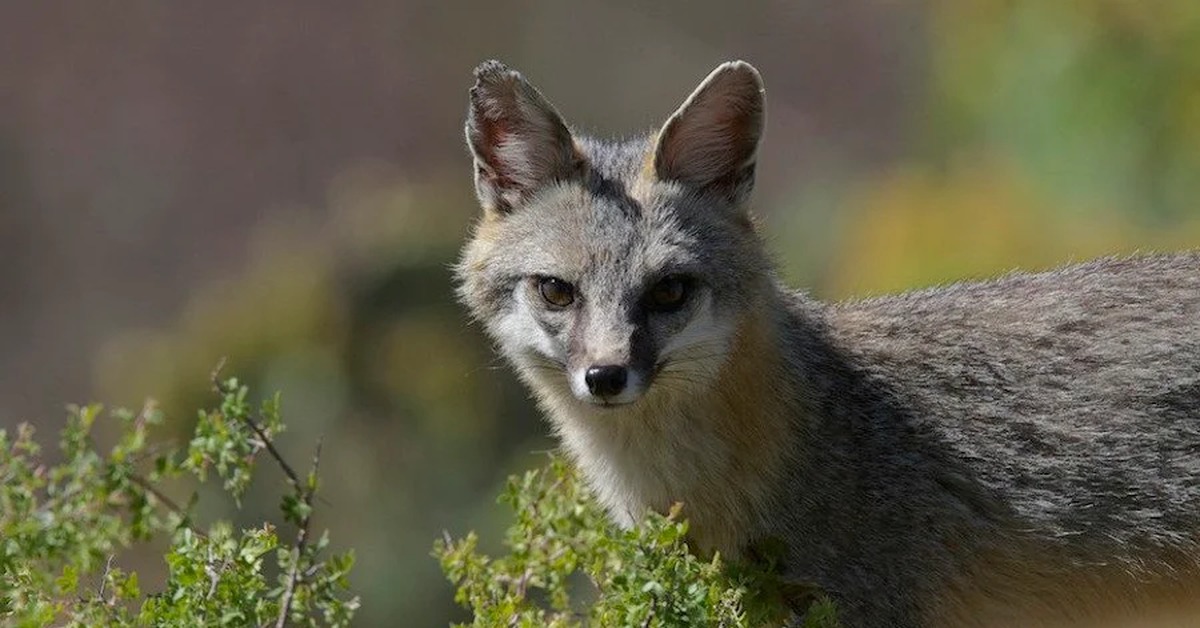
point(711, 141)
point(519, 141)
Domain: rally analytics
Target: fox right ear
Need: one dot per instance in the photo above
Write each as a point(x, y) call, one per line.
point(519, 141)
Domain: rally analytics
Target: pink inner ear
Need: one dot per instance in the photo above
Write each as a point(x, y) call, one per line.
point(709, 145)
point(518, 138)
point(502, 149)
point(496, 133)
point(714, 135)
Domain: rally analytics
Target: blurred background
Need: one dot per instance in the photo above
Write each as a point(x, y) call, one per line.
point(285, 184)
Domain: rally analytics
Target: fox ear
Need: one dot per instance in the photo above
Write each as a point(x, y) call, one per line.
point(519, 141)
point(712, 139)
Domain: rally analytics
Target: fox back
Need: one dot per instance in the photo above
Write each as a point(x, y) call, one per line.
point(1022, 451)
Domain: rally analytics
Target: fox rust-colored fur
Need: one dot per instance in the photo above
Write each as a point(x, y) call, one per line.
point(1023, 451)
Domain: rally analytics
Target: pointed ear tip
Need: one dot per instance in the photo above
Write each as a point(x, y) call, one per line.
point(742, 68)
point(489, 68)
point(492, 72)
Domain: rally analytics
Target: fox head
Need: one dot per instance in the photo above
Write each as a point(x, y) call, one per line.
point(610, 273)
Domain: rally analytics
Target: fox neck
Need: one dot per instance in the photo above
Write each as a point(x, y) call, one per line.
point(718, 450)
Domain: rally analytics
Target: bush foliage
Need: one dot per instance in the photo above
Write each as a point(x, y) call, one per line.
point(65, 525)
point(568, 566)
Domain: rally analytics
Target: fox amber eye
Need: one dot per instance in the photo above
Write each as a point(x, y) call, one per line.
point(668, 294)
point(556, 292)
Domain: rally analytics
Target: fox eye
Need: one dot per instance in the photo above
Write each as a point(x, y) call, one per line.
point(556, 292)
point(669, 293)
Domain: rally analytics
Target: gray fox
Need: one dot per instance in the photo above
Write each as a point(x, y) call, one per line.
point(1023, 451)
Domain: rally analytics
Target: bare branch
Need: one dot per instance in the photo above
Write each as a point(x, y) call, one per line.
point(215, 375)
point(104, 577)
point(294, 575)
point(169, 503)
point(650, 614)
point(263, 437)
point(306, 493)
point(270, 447)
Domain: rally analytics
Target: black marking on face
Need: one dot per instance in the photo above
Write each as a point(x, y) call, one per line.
point(643, 354)
point(669, 294)
point(614, 191)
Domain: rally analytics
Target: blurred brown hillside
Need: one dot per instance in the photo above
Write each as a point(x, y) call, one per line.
point(285, 184)
point(139, 143)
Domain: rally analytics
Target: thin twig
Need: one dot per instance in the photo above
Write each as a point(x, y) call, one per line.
point(104, 577)
point(214, 575)
point(215, 375)
point(171, 504)
point(260, 432)
point(294, 576)
point(270, 447)
point(650, 614)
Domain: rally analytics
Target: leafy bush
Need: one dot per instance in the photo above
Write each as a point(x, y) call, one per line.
point(567, 566)
point(64, 526)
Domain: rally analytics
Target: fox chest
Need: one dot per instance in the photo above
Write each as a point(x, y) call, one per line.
point(632, 474)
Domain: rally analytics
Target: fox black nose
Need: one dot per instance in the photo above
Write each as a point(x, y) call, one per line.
point(607, 380)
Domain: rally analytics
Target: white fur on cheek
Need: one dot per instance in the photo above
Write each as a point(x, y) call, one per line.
point(579, 384)
point(520, 332)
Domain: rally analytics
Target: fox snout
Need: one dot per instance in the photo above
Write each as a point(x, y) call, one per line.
point(608, 384)
point(614, 347)
point(606, 381)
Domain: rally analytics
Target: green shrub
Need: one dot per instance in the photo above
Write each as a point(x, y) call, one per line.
point(65, 525)
point(567, 566)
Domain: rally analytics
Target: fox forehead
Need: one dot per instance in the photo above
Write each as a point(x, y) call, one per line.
point(612, 218)
point(572, 233)
point(612, 231)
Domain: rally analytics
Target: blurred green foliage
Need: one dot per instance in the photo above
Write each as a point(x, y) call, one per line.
point(1039, 132)
point(357, 322)
point(1051, 131)
point(66, 527)
point(1098, 101)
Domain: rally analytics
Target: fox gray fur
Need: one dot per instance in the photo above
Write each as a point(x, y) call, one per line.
point(1017, 452)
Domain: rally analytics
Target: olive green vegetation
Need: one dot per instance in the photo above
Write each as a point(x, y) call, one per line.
point(1040, 132)
point(568, 566)
point(1047, 132)
point(66, 528)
